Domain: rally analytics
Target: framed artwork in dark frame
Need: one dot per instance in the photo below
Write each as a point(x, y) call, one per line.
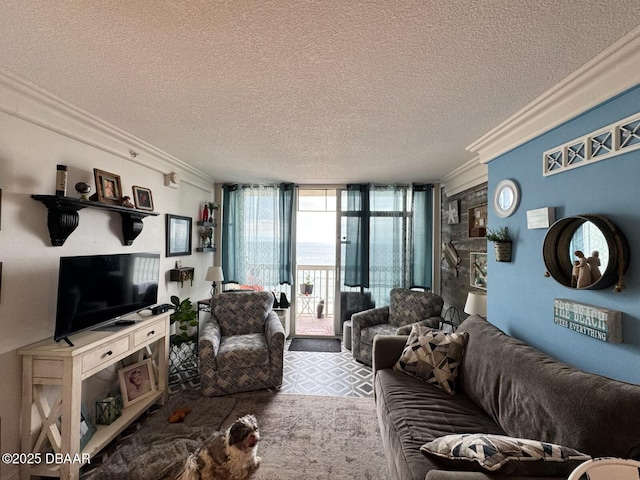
point(142, 198)
point(178, 230)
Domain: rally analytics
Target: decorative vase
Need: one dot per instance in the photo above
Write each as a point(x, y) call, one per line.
point(503, 251)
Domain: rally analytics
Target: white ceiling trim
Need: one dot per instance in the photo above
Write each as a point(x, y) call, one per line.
point(467, 176)
point(612, 72)
point(29, 102)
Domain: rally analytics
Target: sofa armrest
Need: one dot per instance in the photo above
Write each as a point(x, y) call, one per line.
point(273, 327)
point(432, 322)
point(387, 350)
point(209, 342)
point(452, 475)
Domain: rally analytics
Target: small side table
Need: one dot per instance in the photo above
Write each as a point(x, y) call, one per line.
point(346, 334)
point(184, 364)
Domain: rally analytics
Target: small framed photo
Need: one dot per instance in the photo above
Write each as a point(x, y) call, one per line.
point(108, 187)
point(478, 270)
point(87, 427)
point(142, 198)
point(136, 382)
point(178, 235)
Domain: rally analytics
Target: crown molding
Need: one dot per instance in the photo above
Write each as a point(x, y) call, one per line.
point(31, 103)
point(463, 178)
point(611, 73)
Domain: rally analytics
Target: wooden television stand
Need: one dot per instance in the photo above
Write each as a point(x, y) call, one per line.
point(49, 363)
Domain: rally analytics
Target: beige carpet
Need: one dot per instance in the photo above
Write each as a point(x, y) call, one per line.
point(315, 437)
point(303, 437)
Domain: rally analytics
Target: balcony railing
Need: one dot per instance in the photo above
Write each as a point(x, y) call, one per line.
point(323, 279)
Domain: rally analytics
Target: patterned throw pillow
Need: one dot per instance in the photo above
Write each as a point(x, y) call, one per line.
point(433, 355)
point(493, 452)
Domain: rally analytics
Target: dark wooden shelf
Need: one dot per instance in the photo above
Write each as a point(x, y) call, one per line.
point(200, 223)
point(63, 217)
point(206, 249)
point(181, 275)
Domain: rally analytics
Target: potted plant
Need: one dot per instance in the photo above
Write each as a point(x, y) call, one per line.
point(500, 237)
point(307, 287)
point(185, 315)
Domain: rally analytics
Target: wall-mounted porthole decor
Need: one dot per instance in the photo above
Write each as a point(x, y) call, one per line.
point(620, 137)
point(506, 198)
point(586, 252)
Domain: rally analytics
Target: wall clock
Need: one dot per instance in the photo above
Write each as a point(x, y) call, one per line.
point(506, 198)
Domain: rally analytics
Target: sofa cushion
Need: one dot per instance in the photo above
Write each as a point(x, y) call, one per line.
point(531, 395)
point(367, 334)
point(507, 454)
point(243, 351)
point(433, 355)
point(411, 412)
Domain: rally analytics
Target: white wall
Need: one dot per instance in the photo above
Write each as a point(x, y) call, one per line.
point(38, 132)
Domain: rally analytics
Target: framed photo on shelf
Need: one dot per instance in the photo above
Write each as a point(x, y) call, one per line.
point(108, 187)
point(178, 235)
point(478, 270)
point(142, 198)
point(87, 427)
point(136, 382)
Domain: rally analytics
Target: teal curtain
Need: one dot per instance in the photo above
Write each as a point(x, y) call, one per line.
point(229, 239)
point(356, 261)
point(285, 207)
point(422, 237)
point(257, 235)
point(389, 243)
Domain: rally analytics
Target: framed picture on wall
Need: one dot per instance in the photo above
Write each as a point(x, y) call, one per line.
point(478, 270)
point(477, 217)
point(178, 235)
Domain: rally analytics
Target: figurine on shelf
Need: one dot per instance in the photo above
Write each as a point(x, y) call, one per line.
point(83, 189)
point(206, 235)
point(205, 213)
point(126, 201)
point(212, 206)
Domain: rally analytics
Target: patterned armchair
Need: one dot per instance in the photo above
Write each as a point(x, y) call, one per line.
point(242, 344)
point(407, 307)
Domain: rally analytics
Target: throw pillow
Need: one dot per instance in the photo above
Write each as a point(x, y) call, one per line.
point(433, 355)
point(499, 452)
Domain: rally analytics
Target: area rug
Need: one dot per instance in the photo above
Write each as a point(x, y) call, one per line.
point(153, 451)
point(303, 437)
point(331, 345)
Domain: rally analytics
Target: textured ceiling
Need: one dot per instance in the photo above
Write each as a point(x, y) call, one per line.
point(316, 91)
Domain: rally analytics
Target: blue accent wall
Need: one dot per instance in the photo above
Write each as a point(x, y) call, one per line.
point(520, 300)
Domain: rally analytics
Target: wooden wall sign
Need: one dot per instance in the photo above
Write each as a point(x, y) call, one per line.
point(596, 322)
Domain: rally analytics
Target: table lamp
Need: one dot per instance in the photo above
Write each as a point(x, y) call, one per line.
point(476, 304)
point(214, 274)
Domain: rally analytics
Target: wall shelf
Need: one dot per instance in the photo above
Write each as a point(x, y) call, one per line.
point(203, 228)
point(181, 275)
point(63, 217)
point(206, 249)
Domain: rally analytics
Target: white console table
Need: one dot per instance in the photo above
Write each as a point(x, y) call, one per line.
point(49, 363)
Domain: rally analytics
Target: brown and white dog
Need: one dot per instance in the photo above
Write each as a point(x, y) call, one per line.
point(229, 454)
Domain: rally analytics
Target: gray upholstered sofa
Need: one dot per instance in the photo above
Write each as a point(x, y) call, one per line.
point(504, 387)
point(407, 307)
point(242, 345)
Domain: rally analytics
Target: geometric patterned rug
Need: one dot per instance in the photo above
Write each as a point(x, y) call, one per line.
point(305, 373)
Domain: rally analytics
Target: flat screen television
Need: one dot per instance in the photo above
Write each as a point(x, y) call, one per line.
point(96, 290)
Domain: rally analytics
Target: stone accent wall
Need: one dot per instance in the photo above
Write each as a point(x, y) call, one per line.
point(454, 289)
